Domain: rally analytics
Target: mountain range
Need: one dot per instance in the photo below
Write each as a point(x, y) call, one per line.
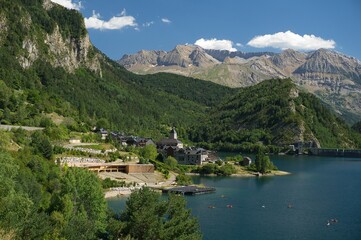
point(52, 76)
point(333, 77)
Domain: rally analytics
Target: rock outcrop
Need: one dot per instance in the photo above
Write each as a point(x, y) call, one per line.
point(71, 53)
point(48, 39)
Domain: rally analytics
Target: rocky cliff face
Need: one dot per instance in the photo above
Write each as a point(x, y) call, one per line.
point(50, 42)
point(324, 64)
point(289, 60)
point(334, 77)
point(71, 53)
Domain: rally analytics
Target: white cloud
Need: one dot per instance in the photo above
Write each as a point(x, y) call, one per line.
point(116, 22)
point(215, 44)
point(285, 40)
point(239, 44)
point(166, 20)
point(68, 4)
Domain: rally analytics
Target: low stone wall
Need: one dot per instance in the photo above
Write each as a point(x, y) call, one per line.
point(335, 152)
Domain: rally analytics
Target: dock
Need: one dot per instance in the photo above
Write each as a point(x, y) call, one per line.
point(189, 190)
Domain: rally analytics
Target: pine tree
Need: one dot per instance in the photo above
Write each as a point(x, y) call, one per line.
point(148, 216)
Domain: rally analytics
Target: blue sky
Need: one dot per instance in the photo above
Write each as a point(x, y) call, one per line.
point(119, 27)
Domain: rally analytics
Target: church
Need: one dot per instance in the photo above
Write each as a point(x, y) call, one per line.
point(172, 141)
point(173, 147)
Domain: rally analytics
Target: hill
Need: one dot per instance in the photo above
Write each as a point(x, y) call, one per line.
point(48, 64)
point(332, 76)
point(274, 112)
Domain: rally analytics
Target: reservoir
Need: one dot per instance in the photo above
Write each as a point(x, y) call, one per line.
point(321, 199)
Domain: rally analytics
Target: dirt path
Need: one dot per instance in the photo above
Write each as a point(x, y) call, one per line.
point(10, 127)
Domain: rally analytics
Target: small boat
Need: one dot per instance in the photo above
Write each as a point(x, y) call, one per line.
point(211, 206)
point(229, 206)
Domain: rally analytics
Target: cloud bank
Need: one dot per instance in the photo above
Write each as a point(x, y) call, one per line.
point(215, 44)
point(115, 23)
point(68, 4)
point(285, 40)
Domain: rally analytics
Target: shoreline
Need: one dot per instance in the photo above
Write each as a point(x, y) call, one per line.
point(125, 192)
point(271, 174)
point(114, 193)
point(245, 174)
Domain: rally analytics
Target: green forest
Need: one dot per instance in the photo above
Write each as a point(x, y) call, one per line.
point(42, 200)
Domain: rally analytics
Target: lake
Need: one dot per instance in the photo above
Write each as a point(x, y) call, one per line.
point(295, 206)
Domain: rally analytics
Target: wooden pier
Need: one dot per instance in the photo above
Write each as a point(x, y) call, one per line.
point(189, 190)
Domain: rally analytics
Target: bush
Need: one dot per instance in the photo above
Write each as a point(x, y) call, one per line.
point(183, 180)
point(171, 162)
point(109, 183)
point(226, 170)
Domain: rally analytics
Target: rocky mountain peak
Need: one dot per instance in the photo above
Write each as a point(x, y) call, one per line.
point(181, 56)
point(333, 65)
point(288, 60)
point(143, 57)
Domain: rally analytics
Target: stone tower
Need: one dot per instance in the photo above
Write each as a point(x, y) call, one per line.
point(173, 134)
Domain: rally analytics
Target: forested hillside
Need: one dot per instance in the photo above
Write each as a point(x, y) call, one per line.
point(37, 77)
point(274, 112)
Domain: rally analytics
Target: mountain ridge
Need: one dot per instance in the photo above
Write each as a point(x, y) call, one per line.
point(330, 75)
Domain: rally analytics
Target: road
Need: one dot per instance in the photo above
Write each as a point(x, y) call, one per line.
point(9, 127)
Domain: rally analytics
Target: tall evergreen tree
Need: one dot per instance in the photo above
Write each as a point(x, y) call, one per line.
point(147, 216)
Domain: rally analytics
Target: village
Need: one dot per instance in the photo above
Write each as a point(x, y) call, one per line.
point(170, 146)
point(128, 165)
point(128, 168)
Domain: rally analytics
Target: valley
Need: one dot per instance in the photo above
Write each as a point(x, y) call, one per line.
point(74, 124)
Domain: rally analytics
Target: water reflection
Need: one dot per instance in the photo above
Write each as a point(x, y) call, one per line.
point(263, 180)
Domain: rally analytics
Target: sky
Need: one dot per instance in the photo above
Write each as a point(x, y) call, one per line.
point(119, 27)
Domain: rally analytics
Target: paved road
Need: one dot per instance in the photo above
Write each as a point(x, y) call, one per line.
point(9, 127)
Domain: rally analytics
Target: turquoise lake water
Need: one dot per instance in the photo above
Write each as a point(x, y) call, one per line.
point(319, 189)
